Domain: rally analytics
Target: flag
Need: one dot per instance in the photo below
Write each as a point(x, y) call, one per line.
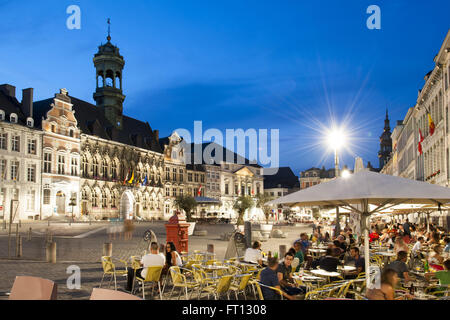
point(145, 181)
point(253, 192)
point(126, 178)
point(199, 192)
point(420, 142)
point(132, 177)
point(430, 124)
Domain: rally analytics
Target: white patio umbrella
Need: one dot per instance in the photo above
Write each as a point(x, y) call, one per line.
point(360, 190)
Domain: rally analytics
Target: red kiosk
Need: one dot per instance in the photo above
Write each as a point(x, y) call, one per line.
point(177, 232)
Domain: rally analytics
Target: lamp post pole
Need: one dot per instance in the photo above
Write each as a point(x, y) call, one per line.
point(336, 173)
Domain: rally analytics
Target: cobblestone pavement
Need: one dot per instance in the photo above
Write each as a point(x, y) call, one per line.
point(86, 252)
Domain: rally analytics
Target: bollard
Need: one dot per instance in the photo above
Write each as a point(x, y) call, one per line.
point(19, 247)
point(107, 249)
point(210, 248)
point(29, 234)
point(282, 251)
point(51, 252)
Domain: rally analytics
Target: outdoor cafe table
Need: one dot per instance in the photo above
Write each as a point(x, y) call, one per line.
point(387, 255)
point(317, 252)
point(345, 269)
point(309, 280)
point(214, 268)
point(327, 274)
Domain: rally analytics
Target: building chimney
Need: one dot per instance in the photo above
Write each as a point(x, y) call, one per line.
point(27, 102)
point(156, 134)
point(8, 89)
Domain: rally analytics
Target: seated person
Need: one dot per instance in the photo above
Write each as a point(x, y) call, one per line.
point(415, 251)
point(269, 277)
point(435, 259)
point(443, 276)
point(253, 254)
point(389, 280)
point(330, 261)
point(400, 266)
point(288, 284)
point(152, 259)
point(357, 261)
point(298, 254)
point(447, 244)
point(373, 236)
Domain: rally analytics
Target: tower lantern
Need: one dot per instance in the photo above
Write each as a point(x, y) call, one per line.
point(109, 68)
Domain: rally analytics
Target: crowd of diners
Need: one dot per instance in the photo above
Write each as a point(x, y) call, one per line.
point(410, 244)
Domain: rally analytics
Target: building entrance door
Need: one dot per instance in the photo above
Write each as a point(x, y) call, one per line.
point(60, 203)
point(127, 205)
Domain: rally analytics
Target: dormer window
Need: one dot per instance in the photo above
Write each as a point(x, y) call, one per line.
point(13, 118)
point(30, 122)
point(2, 115)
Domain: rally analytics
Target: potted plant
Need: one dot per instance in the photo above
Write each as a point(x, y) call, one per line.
point(188, 204)
point(261, 202)
point(240, 205)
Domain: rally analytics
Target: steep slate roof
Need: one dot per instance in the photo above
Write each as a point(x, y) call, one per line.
point(92, 121)
point(12, 105)
point(231, 155)
point(284, 177)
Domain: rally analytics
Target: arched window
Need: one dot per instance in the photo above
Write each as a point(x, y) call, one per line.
point(85, 166)
point(84, 195)
point(104, 199)
point(95, 199)
point(109, 81)
point(95, 167)
point(100, 80)
point(113, 170)
point(104, 168)
point(114, 199)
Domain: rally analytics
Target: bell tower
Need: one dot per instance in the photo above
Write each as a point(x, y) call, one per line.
point(108, 94)
point(385, 143)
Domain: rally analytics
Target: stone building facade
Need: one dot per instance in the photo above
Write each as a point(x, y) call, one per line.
point(20, 157)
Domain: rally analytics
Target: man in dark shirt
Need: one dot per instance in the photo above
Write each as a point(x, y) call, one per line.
point(288, 284)
point(329, 262)
point(358, 262)
point(400, 266)
point(269, 277)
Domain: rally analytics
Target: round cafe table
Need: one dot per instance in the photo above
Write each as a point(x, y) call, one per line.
point(327, 274)
point(387, 255)
point(317, 252)
point(346, 268)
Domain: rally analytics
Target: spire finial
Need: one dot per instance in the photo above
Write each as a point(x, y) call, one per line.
point(109, 30)
point(387, 116)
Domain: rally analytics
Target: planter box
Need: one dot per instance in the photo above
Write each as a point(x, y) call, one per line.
point(266, 229)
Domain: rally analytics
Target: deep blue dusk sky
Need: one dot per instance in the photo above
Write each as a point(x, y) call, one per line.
point(237, 64)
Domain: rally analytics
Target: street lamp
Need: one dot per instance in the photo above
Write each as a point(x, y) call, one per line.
point(72, 204)
point(336, 140)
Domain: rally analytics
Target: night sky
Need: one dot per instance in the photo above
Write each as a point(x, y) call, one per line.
point(288, 65)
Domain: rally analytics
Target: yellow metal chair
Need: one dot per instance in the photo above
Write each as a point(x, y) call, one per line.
point(254, 281)
point(241, 286)
point(153, 275)
point(219, 288)
point(135, 265)
point(179, 281)
point(260, 294)
point(109, 268)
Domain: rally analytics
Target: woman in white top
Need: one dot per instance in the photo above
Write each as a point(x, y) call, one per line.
point(173, 258)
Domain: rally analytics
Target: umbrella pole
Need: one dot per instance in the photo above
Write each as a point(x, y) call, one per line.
point(367, 254)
